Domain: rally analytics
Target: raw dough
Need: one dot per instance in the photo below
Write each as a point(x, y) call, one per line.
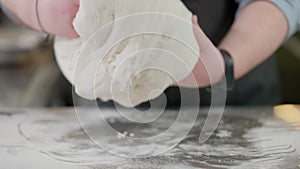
point(129, 51)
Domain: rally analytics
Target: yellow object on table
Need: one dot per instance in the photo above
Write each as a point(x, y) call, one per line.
point(289, 113)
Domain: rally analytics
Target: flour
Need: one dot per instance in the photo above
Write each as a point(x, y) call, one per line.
point(128, 51)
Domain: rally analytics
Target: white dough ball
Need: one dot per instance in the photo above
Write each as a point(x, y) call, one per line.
point(129, 51)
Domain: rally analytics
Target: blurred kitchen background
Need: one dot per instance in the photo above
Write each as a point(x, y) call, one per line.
point(30, 77)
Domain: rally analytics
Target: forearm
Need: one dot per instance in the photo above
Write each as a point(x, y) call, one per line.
point(255, 35)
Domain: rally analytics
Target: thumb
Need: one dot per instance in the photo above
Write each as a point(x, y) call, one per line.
point(201, 38)
point(57, 16)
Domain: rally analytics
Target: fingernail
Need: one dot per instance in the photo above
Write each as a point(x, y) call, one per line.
point(196, 18)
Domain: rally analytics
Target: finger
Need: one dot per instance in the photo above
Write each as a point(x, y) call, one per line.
point(57, 17)
point(205, 67)
point(196, 28)
point(189, 81)
point(201, 38)
point(76, 2)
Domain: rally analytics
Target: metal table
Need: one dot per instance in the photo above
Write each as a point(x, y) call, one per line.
point(247, 137)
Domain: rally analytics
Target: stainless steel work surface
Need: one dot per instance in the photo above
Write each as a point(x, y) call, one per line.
point(53, 138)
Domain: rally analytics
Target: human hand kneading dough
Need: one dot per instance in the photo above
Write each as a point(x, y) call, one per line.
point(51, 16)
point(56, 17)
point(210, 66)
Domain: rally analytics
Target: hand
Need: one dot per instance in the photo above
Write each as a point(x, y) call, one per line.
point(210, 68)
point(56, 16)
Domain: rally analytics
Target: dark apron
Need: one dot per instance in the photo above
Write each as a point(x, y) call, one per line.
point(259, 87)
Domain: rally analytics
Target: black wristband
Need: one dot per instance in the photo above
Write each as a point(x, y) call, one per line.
point(229, 69)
